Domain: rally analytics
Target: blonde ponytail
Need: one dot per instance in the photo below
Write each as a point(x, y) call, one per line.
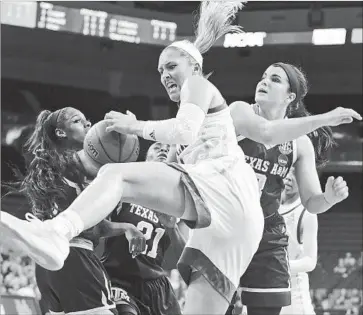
point(215, 18)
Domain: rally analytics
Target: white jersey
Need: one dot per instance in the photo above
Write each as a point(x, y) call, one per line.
point(226, 196)
point(300, 290)
point(216, 138)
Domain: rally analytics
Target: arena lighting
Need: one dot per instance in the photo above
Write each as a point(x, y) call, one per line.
point(244, 39)
point(329, 36)
point(357, 36)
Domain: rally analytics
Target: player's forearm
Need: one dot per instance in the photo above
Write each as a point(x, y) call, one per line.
point(305, 264)
point(177, 240)
point(317, 204)
point(283, 130)
point(183, 129)
point(112, 229)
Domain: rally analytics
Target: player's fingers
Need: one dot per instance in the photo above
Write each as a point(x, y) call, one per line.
point(110, 128)
point(330, 181)
point(138, 245)
point(337, 181)
point(112, 115)
point(109, 115)
point(130, 113)
point(344, 191)
point(132, 247)
point(353, 113)
point(340, 185)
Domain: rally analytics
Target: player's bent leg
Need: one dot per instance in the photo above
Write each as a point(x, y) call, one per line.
point(201, 298)
point(153, 185)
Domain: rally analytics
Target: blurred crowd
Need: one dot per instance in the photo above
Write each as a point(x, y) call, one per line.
point(346, 265)
point(17, 275)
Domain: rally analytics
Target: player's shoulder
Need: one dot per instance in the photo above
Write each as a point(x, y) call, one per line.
point(198, 90)
point(241, 109)
point(303, 145)
point(198, 83)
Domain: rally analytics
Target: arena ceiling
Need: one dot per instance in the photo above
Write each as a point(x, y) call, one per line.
point(190, 6)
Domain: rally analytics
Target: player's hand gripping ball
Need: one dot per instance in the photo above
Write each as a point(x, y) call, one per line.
point(104, 147)
point(336, 190)
point(137, 241)
point(119, 122)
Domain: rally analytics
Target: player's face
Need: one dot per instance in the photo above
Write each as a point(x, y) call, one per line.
point(273, 88)
point(291, 183)
point(174, 69)
point(158, 152)
point(75, 126)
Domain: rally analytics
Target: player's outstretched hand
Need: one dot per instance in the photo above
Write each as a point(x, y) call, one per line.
point(336, 190)
point(119, 122)
point(137, 241)
point(340, 116)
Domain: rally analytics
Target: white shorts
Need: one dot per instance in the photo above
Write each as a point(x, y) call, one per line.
point(230, 221)
point(301, 303)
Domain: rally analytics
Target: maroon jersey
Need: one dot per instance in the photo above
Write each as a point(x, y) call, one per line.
point(118, 261)
point(271, 165)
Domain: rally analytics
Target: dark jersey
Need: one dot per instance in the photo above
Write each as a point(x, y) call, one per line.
point(72, 190)
point(118, 261)
point(271, 165)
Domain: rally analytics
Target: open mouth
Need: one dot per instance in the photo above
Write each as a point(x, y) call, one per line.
point(172, 87)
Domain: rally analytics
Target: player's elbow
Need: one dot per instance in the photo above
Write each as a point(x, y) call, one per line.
point(311, 264)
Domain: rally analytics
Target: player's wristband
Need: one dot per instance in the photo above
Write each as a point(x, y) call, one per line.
point(183, 129)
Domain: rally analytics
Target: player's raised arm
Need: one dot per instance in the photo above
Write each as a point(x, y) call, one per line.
point(195, 99)
point(272, 132)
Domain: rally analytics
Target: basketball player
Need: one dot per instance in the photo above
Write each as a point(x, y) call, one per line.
point(54, 180)
point(267, 141)
point(140, 285)
point(302, 229)
point(205, 188)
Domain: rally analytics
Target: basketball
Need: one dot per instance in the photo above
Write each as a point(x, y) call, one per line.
point(110, 147)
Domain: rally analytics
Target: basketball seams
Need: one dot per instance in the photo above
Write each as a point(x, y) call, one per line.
point(92, 158)
point(133, 151)
point(103, 148)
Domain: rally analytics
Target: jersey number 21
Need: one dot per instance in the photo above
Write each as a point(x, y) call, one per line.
point(147, 229)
